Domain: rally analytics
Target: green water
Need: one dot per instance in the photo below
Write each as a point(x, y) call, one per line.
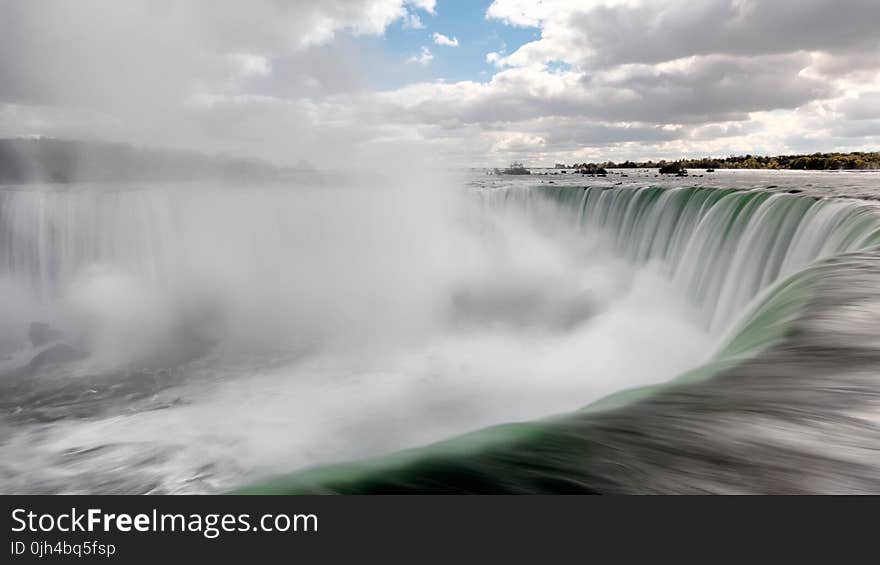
point(749, 259)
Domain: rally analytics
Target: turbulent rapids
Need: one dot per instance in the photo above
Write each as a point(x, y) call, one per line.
point(643, 337)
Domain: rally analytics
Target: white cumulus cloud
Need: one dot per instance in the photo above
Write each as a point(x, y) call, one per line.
point(441, 39)
point(423, 57)
point(413, 21)
point(601, 79)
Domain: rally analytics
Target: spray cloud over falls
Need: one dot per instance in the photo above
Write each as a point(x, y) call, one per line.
point(353, 308)
point(192, 322)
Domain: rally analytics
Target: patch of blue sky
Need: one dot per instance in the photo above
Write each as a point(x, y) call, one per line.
point(462, 20)
point(558, 66)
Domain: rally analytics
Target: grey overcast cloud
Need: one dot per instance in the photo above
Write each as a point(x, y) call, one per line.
point(602, 78)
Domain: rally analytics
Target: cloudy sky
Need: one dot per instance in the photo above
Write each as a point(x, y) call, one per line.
point(474, 82)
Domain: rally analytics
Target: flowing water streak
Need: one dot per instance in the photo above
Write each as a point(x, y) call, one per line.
point(788, 405)
point(47, 236)
point(721, 246)
point(281, 328)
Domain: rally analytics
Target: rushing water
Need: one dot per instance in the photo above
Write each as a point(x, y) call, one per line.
point(223, 335)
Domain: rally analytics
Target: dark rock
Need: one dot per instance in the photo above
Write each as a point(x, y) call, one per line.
point(672, 169)
point(42, 334)
point(55, 355)
point(592, 170)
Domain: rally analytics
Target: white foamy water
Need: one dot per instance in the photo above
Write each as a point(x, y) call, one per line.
point(250, 331)
point(231, 333)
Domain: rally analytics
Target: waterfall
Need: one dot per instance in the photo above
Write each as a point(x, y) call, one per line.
point(720, 246)
point(787, 405)
point(312, 326)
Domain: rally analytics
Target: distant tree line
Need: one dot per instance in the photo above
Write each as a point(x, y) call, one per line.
point(47, 160)
point(814, 162)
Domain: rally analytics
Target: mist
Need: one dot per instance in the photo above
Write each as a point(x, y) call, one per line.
point(263, 328)
point(220, 259)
